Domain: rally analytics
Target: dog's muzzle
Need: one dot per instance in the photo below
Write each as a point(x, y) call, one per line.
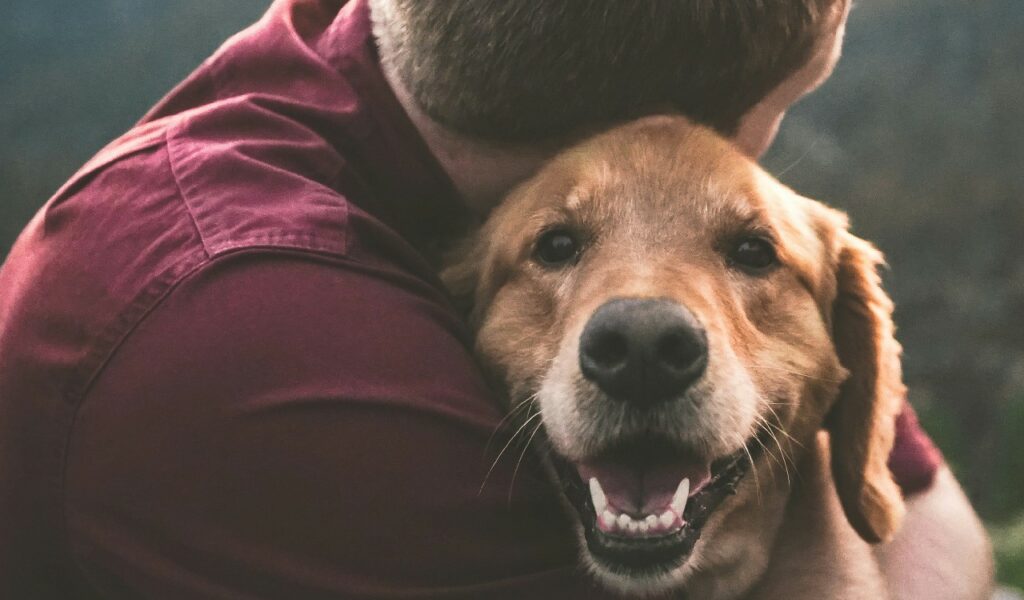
point(643, 499)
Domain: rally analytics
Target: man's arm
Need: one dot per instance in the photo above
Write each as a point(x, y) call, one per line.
point(296, 427)
point(942, 552)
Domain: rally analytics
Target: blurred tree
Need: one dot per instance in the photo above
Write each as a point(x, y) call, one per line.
point(74, 75)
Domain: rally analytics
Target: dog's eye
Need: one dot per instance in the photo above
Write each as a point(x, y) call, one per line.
point(556, 247)
point(753, 254)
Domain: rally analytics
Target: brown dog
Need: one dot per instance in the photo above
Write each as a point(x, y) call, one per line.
point(686, 326)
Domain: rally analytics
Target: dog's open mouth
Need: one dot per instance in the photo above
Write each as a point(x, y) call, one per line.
point(644, 503)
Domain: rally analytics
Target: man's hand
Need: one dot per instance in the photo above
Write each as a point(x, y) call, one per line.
point(942, 552)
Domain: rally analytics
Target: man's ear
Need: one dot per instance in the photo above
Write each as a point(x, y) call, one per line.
point(862, 422)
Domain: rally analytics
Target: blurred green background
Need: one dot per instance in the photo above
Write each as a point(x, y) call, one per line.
point(919, 135)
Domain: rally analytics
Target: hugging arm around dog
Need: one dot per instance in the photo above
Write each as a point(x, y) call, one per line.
point(228, 367)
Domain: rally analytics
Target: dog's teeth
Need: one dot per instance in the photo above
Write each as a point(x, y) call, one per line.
point(607, 519)
point(666, 519)
point(643, 526)
point(651, 521)
point(624, 521)
point(598, 496)
point(681, 497)
point(633, 526)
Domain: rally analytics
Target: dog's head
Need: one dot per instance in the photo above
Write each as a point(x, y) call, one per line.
point(679, 319)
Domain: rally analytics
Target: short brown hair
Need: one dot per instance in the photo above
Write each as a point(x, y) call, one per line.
point(532, 70)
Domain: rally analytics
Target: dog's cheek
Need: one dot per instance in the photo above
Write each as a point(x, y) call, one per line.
point(796, 368)
point(516, 339)
point(558, 403)
point(734, 403)
point(803, 351)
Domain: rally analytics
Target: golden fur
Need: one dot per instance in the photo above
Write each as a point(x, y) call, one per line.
point(805, 347)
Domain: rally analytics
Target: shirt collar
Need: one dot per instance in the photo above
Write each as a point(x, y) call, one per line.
point(413, 193)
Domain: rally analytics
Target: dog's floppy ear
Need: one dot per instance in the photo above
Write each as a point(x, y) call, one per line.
point(862, 422)
point(461, 275)
point(472, 274)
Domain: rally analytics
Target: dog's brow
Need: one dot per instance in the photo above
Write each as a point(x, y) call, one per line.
point(738, 216)
point(546, 219)
point(574, 199)
point(756, 226)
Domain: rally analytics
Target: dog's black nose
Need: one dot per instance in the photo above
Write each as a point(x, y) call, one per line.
point(643, 351)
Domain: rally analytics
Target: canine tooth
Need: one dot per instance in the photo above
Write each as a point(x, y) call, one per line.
point(643, 526)
point(598, 496)
point(666, 519)
point(624, 521)
point(651, 521)
point(633, 526)
point(608, 519)
point(681, 497)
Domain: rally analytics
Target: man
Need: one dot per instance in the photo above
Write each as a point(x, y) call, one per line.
point(227, 368)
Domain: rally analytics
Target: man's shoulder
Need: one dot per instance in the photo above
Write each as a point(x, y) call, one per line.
point(340, 400)
point(172, 198)
point(331, 327)
point(250, 176)
point(225, 177)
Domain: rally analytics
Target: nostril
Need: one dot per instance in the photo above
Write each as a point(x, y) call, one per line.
point(642, 351)
point(608, 350)
point(677, 350)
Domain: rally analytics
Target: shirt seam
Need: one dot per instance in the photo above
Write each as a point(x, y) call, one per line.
point(122, 327)
point(172, 165)
point(212, 238)
point(106, 345)
point(181, 192)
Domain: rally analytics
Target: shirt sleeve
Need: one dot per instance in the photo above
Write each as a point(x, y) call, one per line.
point(286, 426)
point(914, 459)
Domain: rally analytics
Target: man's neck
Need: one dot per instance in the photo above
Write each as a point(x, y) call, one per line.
point(483, 174)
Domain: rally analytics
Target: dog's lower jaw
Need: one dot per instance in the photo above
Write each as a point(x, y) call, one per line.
point(728, 564)
point(628, 586)
point(729, 558)
point(637, 587)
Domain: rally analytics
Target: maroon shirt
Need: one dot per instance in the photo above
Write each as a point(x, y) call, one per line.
point(226, 369)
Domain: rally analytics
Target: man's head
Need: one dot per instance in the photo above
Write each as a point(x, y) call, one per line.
point(522, 71)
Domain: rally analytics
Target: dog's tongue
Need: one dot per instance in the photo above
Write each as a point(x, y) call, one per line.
point(644, 488)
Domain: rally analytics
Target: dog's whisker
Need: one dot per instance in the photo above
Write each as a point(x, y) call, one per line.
point(762, 426)
point(787, 459)
point(505, 448)
point(515, 472)
point(790, 438)
point(771, 455)
point(753, 469)
point(777, 428)
point(783, 460)
point(778, 425)
point(525, 403)
point(796, 373)
point(773, 429)
point(797, 161)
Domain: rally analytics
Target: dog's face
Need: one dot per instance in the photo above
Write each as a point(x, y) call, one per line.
point(680, 320)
